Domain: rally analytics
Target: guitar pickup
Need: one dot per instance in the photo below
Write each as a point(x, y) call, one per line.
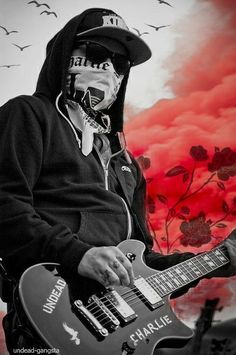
point(149, 294)
point(126, 313)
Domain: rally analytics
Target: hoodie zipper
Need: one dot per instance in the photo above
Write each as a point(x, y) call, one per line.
point(105, 166)
point(106, 174)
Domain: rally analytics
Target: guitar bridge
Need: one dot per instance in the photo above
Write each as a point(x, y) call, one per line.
point(89, 317)
point(108, 317)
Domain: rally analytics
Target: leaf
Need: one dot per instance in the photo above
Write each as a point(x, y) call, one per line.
point(162, 198)
point(221, 185)
point(185, 177)
point(176, 171)
point(221, 225)
point(225, 207)
point(172, 212)
point(144, 162)
point(233, 213)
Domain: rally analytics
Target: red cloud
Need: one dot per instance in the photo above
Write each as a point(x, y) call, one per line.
point(203, 113)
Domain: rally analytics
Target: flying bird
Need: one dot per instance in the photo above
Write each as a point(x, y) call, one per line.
point(73, 333)
point(38, 4)
point(164, 2)
point(9, 65)
point(157, 27)
point(8, 32)
point(21, 48)
point(48, 13)
point(140, 33)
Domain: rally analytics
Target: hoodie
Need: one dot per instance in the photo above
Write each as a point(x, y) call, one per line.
point(55, 203)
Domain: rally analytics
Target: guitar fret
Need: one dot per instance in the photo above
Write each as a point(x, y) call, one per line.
point(201, 266)
point(181, 277)
point(176, 283)
point(195, 268)
point(218, 253)
point(174, 278)
point(168, 287)
point(218, 260)
point(189, 270)
point(187, 274)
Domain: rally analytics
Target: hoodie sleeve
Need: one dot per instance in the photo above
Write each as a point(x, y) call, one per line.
point(154, 259)
point(27, 239)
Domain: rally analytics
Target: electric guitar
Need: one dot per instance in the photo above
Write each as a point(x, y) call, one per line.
point(78, 316)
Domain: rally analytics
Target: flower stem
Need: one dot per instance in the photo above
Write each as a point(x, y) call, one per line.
point(186, 195)
point(155, 236)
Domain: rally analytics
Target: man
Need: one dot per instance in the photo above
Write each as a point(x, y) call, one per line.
point(70, 191)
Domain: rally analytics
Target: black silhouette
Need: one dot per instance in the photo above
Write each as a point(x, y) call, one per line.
point(140, 33)
point(38, 4)
point(157, 27)
point(164, 2)
point(21, 48)
point(8, 32)
point(48, 13)
point(9, 65)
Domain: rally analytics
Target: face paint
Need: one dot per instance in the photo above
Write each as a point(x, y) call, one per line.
point(94, 86)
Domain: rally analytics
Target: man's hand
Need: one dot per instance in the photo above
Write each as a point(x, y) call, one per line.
point(230, 245)
point(229, 269)
point(107, 265)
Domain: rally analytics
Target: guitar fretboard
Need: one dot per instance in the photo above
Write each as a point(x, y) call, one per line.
point(177, 276)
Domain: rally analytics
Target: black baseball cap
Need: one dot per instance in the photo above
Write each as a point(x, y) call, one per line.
point(106, 24)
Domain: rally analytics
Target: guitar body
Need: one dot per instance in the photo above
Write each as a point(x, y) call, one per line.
point(48, 298)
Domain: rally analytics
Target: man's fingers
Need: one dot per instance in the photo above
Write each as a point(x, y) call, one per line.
point(231, 248)
point(128, 266)
point(108, 278)
point(121, 272)
point(107, 265)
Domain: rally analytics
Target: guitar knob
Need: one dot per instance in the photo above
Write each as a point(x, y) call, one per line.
point(128, 348)
point(131, 257)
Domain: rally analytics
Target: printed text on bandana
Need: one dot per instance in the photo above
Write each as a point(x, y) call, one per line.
point(76, 61)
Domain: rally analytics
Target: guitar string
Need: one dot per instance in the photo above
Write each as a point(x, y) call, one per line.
point(155, 286)
point(152, 280)
point(108, 302)
point(139, 297)
point(102, 317)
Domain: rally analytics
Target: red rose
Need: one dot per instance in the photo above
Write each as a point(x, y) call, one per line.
point(198, 153)
point(224, 163)
point(196, 232)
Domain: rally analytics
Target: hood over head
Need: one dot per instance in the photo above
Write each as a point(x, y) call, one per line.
point(91, 22)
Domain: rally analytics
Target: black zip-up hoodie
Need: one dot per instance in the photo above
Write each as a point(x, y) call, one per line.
point(55, 203)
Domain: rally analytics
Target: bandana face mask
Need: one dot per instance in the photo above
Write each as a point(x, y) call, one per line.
point(94, 82)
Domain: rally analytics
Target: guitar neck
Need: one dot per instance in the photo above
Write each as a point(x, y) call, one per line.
point(182, 274)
